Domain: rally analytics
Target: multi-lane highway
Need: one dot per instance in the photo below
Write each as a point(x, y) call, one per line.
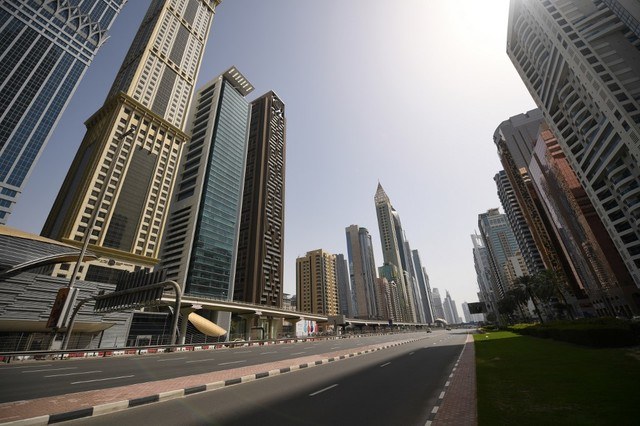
point(395, 386)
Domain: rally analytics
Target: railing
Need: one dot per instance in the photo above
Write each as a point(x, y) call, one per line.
point(8, 357)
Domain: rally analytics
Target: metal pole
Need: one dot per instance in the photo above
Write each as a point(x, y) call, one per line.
point(72, 320)
point(176, 311)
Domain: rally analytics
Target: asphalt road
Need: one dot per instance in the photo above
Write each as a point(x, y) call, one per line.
point(396, 386)
point(48, 378)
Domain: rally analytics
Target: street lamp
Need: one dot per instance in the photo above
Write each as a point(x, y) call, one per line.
point(89, 232)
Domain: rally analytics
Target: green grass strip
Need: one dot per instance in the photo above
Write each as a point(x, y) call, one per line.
point(525, 380)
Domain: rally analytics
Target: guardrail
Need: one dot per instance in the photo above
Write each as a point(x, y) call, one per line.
point(7, 357)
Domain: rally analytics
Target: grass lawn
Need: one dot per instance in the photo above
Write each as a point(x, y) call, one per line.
point(530, 381)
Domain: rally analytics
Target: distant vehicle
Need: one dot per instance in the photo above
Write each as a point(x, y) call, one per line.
point(635, 318)
point(449, 328)
point(428, 329)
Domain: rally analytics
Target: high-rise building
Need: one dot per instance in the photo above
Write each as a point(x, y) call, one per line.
point(518, 223)
point(345, 295)
point(45, 48)
point(436, 301)
point(259, 269)
point(581, 63)
point(317, 292)
point(423, 284)
point(599, 266)
point(362, 268)
point(486, 280)
point(126, 182)
point(501, 244)
point(388, 223)
point(411, 277)
point(387, 297)
point(200, 243)
point(388, 275)
point(515, 139)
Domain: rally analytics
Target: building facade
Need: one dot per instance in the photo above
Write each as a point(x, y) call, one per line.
point(200, 244)
point(424, 286)
point(119, 186)
point(343, 281)
point(391, 252)
point(45, 49)
point(317, 292)
point(484, 275)
point(501, 244)
point(362, 272)
point(436, 300)
point(581, 63)
point(259, 269)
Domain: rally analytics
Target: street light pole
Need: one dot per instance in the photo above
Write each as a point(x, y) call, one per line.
point(91, 225)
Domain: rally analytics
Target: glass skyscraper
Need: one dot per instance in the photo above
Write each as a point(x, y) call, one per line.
point(45, 48)
point(201, 242)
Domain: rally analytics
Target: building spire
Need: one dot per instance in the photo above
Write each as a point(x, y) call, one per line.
point(381, 196)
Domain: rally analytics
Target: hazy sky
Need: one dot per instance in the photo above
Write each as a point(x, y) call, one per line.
point(407, 93)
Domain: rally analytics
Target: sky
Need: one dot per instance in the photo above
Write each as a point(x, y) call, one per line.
point(405, 93)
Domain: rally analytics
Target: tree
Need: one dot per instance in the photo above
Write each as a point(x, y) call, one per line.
point(528, 283)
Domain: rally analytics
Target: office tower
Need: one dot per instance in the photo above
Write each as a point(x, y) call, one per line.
point(388, 218)
point(436, 301)
point(388, 275)
point(387, 297)
point(580, 62)
point(345, 296)
point(317, 292)
point(411, 277)
point(515, 139)
point(597, 263)
point(124, 171)
point(362, 268)
point(518, 223)
point(450, 305)
point(259, 269)
point(45, 50)
point(201, 239)
point(486, 281)
point(501, 244)
point(465, 311)
point(423, 284)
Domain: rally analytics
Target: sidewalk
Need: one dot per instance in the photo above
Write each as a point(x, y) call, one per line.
point(59, 408)
point(458, 406)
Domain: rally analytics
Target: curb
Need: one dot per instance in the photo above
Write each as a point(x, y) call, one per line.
point(113, 407)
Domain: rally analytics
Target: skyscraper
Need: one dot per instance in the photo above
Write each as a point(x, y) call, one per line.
point(259, 269)
point(581, 63)
point(317, 292)
point(201, 239)
point(345, 295)
point(501, 244)
point(423, 284)
point(133, 178)
point(362, 268)
point(484, 276)
point(388, 218)
point(436, 301)
point(45, 48)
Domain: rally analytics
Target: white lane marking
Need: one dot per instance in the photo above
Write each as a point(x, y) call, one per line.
point(435, 410)
point(233, 362)
point(74, 374)
point(102, 380)
point(322, 390)
point(243, 352)
point(411, 353)
point(298, 353)
point(441, 395)
point(50, 369)
point(447, 384)
point(385, 364)
point(25, 366)
point(172, 359)
point(200, 360)
point(335, 347)
point(268, 352)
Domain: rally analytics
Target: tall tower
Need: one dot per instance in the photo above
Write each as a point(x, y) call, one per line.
point(500, 243)
point(387, 219)
point(424, 287)
point(259, 270)
point(317, 292)
point(437, 304)
point(484, 275)
point(345, 295)
point(580, 61)
point(45, 48)
point(362, 267)
point(201, 240)
point(133, 177)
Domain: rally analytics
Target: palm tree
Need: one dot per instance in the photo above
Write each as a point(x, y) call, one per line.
point(528, 282)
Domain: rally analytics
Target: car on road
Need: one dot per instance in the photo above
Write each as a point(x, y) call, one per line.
point(448, 328)
point(428, 329)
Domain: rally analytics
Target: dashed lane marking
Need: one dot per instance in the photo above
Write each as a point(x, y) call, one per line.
point(323, 390)
point(102, 380)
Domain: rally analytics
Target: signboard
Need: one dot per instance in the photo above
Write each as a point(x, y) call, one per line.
point(58, 305)
point(305, 328)
point(477, 308)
